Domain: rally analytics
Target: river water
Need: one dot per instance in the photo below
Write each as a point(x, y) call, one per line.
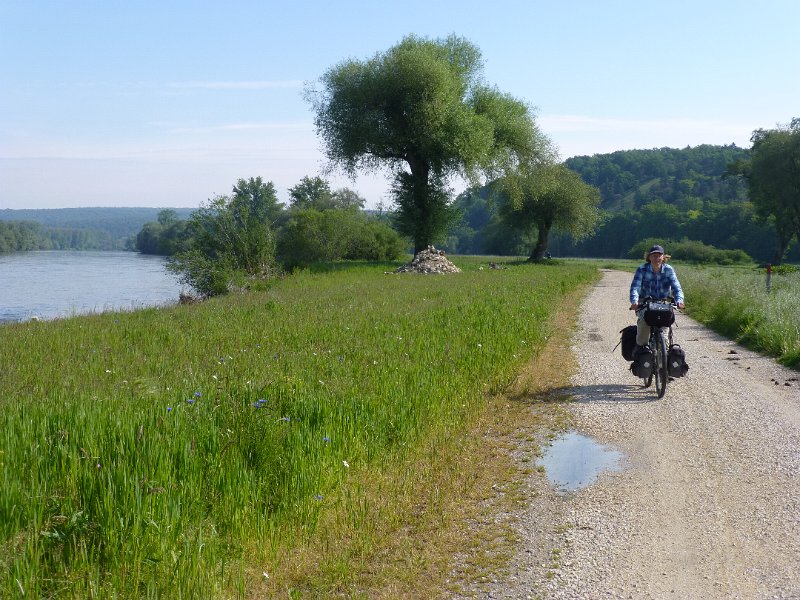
point(56, 284)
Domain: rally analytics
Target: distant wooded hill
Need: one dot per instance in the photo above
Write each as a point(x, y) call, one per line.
point(633, 178)
point(91, 228)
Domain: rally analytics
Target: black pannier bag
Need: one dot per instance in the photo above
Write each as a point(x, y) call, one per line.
point(658, 314)
point(628, 341)
point(676, 361)
point(642, 365)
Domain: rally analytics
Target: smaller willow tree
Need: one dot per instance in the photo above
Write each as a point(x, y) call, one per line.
point(421, 111)
point(538, 198)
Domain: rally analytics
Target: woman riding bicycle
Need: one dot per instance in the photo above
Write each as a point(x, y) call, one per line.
point(656, 279)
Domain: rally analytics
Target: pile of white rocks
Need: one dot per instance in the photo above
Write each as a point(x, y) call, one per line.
point(429, 260)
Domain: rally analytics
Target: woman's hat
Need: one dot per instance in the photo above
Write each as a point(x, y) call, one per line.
point(656, 250)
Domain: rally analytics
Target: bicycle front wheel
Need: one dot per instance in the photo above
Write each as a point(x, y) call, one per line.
point(660, 373)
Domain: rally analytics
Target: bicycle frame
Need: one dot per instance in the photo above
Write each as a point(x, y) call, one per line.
point(659, 348)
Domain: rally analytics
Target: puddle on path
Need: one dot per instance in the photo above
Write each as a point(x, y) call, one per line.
point(573, 461)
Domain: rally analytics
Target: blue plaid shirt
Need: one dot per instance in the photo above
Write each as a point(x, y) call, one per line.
point(657, 285)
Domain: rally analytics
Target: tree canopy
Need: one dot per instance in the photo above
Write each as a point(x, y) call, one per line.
point(773, 176)
point(546, 196)
point(315, 193)
point(421, 111)
point(230, 237)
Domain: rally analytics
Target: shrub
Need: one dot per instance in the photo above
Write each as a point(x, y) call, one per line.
point(785, 269)
point(322, 236)
point(229, 239)
point(691, 251)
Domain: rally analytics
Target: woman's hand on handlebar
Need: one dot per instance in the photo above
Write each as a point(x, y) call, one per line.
point(634, 306)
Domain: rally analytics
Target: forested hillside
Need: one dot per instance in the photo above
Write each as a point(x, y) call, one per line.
point(683, 177)
point(74, 228)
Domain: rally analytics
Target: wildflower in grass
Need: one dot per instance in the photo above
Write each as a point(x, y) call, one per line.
point(480, 345)
point(284, 419)
point(259, 403)
point(99, 466)
point(346, 464)
point(326, 439)
point(169, 409)
point(190, 401)
point(318, 497)
point(197, 395)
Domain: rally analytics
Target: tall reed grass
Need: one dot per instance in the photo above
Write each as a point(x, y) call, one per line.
point(735, 302)
point(147, 454)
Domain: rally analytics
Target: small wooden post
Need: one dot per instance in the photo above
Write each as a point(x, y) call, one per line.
point(769, 277)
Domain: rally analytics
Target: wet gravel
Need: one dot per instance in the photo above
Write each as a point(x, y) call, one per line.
point(708, 502)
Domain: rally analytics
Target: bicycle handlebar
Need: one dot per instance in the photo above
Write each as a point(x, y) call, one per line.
point(648, 299)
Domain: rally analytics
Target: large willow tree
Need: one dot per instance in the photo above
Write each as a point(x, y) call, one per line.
point(421, 111)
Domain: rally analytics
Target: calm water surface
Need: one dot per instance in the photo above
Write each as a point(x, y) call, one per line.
point(57, 284)
point(573, 461)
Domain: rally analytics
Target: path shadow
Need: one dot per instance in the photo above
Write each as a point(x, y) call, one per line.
point(631, 393)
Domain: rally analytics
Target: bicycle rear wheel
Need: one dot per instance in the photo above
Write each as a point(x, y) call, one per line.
point(660, 373)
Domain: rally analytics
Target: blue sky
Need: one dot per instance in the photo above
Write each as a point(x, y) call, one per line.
point(168, 103)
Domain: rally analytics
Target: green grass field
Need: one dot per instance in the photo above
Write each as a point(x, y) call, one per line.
point(735, 302)
point(193, 451)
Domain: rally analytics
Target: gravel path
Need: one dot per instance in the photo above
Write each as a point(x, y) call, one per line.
point(708, 502)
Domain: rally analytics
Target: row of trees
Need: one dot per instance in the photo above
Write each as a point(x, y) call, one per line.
point(249, 235)
point(21, 236)
point(422, 112)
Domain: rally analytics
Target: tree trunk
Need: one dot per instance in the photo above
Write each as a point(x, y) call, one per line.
point(785, 234)
point(420, 172)
point(541, 243)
